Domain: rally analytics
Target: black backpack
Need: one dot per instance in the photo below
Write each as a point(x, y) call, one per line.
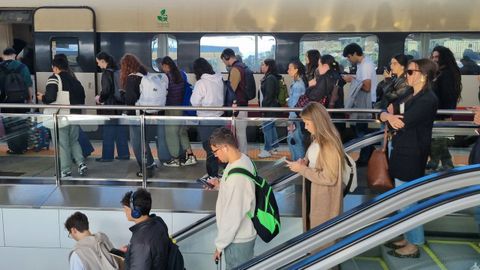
point(117, 94)
point(12, 85)
point(175, 258)
point(266, 218)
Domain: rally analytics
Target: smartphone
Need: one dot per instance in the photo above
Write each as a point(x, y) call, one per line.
point(117, 252)
point(205, 183)
point(280, 161)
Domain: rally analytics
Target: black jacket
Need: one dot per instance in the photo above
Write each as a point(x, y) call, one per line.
point(392, 89)
point(107, 95)
point(75, 88)
point(445, 90)
point(411, 144)
point(270, 87)
point(323, 88)
point(132, 91)
point(148, 248)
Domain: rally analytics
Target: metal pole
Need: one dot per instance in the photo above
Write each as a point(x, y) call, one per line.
point(57, 150)
point(144, 154)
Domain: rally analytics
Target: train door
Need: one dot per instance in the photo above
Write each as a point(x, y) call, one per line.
point(71, 31)
point(16, 32)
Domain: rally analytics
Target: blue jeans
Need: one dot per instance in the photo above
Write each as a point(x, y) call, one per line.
point(270, 135)
point(113, 133)
point(295, 142)
point(238, 253)
point(162, 149)
point(136, 142)
point(415, 236)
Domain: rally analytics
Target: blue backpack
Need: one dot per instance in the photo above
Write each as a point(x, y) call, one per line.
point(187, 95)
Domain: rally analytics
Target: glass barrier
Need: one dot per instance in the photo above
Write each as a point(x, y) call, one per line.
point(448, 242)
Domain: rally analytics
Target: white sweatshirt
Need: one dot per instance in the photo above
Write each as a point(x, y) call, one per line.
point(208, 91)
point(236, 197)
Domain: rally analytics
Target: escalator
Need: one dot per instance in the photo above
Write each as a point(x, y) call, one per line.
point(196, 242)
point(362, 250)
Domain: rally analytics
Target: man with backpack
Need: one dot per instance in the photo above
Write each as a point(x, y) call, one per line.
point(150, 246)
point(243, 83)
point(236, 199)
point(15, 87)
point(92, 251)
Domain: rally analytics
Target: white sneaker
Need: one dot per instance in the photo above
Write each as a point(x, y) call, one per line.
point(475, 267)
point(191, 160)
point(172, 163)
point(274, 151)
point(264, 154)
point(82, 169)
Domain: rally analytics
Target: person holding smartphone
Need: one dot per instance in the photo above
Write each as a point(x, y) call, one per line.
point(236, 197)
point(321, 168)
point(394, 85)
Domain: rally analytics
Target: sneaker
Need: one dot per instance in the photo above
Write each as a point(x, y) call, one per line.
point(174, 162)
point(66, 174)
point(274, 151)
point(191, 160)
point(264, 154)
point(475, 267)
point(149, 171)
point(82, 169)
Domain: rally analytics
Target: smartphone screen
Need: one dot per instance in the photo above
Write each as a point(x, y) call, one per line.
point(205, 182)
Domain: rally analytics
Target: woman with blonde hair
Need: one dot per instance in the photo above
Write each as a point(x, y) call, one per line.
point(321, 168)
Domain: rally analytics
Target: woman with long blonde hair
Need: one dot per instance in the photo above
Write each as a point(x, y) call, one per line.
point(321, 168)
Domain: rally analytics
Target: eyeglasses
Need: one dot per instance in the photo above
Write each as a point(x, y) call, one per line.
point(411, 71)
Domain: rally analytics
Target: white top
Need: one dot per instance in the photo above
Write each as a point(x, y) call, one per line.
point(236, 197)
point(75, 262)
point(312, 154)
point(208, 91)
point(366, 71)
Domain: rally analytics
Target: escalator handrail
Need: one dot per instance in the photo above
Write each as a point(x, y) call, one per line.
point(398, 191)
point(211, 217)
point(410, 212)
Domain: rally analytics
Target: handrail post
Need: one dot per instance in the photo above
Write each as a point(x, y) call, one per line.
point(58, 170)
point(143, 149)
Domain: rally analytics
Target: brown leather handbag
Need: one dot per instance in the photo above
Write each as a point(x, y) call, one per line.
point(378, 177)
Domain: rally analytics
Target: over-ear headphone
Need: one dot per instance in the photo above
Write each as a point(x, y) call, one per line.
point(135, 211)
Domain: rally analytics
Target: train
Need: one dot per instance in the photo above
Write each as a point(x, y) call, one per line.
point(283, 30)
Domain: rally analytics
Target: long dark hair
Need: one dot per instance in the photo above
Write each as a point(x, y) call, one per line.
point(300, 70)
point(313, 57)
point(330, 61)
point(174, 71)
point(446, 60)
point(272, 66)
point(202, 66)
point(111, 64)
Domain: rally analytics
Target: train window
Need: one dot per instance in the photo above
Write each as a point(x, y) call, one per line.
point(252, 49)
point(465, 48)
point(67, 46)
point(163, 45)
point(333, 44)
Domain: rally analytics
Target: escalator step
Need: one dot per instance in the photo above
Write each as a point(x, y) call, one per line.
point(364, 263)
point(456, 254)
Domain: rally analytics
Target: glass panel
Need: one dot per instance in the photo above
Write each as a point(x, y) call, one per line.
point(465, 48)
point(163, 45)
point(67, 46)
point(334, 45)
point(251, 49)
point(26, 151)
point(451, 242)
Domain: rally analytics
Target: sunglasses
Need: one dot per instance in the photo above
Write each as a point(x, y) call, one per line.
point(411, 71)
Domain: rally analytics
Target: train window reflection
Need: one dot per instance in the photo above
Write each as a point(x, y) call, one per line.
point(333, 44)
point(465, 48)
point(163, 45)
point(252, 49)
point(67, 46)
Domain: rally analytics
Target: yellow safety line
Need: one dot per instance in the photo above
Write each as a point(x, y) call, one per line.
point(434, 257)
point(375, 259)
point(446, 242)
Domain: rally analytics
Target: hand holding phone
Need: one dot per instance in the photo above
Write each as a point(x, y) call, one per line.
point(205, 183)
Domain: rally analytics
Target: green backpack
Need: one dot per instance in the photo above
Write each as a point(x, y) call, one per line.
point(283, 93)
point(266, 217)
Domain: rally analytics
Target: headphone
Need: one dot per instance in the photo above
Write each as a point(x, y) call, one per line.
point(135, 211)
